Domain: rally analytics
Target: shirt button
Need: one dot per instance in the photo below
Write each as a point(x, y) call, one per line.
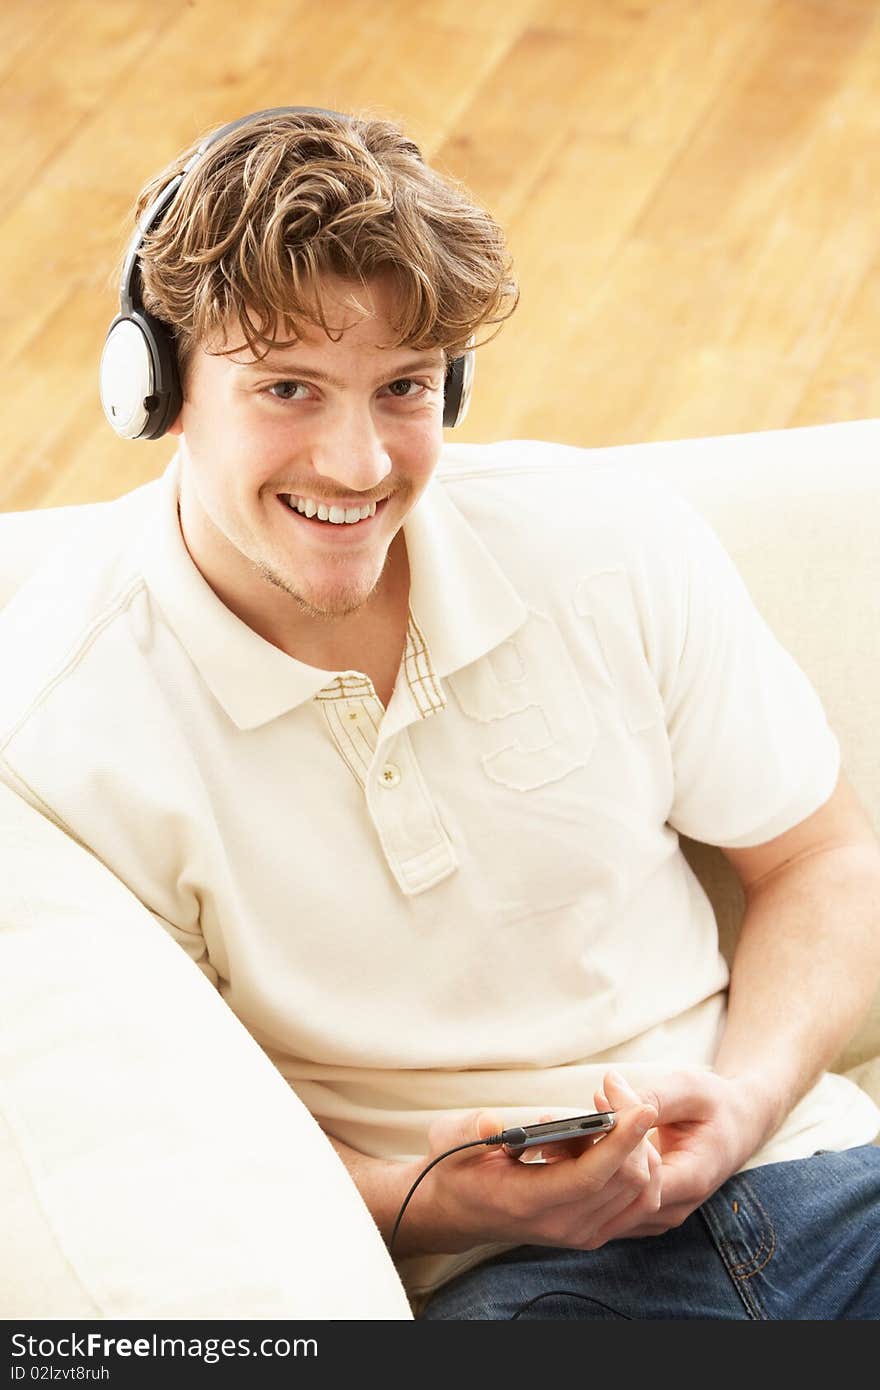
point(390, 775)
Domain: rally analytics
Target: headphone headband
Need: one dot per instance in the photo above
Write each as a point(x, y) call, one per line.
point(140, 384)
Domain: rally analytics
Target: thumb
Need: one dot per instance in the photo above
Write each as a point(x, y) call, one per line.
point(463, 1127)
point(488, 1122)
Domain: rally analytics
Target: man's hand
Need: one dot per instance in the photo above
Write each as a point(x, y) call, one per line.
point(707, 1127)
point(482, 1196)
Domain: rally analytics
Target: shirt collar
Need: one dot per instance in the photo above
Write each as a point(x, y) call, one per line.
point(459, 598)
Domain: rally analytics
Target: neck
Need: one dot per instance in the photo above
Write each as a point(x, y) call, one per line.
point(374, 632)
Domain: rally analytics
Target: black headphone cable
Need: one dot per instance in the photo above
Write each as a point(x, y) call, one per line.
point(505, 1137)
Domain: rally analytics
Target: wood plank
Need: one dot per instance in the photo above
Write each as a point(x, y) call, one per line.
point(742, 156)
point(76, 61)
point(800, 259)
point(486, 18)
point(665, 318)
point(846, 383)
point(421, 73)
point(22, 22)
point(588, 188)
point(37, 432)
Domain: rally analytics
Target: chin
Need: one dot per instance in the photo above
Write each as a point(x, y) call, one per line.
point(330, 601)
point(337, 593)
point(326, 606)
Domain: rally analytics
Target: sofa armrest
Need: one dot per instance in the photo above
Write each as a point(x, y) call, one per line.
point(154, 1163)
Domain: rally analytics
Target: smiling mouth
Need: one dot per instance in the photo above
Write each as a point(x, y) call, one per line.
point(333, 520)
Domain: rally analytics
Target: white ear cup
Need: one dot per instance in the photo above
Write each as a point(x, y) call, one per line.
point(127, 379)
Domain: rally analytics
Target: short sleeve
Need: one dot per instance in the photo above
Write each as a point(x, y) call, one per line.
point(751, 748)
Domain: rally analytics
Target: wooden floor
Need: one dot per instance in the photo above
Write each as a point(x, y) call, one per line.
point(690, 189)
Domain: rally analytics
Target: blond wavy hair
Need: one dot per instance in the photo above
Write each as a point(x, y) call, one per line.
point(274, 207)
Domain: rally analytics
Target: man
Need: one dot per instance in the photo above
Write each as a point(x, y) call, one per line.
point(397, 744)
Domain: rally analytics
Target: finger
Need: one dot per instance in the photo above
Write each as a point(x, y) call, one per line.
point(681, 1175)
point(688, 1094)
point(618, 1092)
point(653, 1194)
point(633, 1195)
point(595, 1168)
point(639, 1215)
point(619, 1096)
point(621, 1092)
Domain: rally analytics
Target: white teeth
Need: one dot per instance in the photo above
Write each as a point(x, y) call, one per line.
point(337, 516)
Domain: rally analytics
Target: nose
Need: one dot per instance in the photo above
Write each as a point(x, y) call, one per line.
point(349, 449)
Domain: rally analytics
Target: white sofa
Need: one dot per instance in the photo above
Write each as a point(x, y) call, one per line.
point(153, 1164)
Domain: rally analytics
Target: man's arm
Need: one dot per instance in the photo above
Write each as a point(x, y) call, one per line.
point(383, 1183)
point(804, 972)
point(807, 962)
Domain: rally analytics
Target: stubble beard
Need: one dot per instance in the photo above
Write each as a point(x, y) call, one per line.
point(346, 599)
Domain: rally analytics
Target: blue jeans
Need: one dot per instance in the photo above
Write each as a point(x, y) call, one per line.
point(795, 1240)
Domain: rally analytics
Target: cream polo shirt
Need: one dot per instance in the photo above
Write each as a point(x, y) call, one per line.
point(475, 897)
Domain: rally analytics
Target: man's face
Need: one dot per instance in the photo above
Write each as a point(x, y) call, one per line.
point(350, 424)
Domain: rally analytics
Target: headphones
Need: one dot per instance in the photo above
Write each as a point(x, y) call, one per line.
point(139, 380)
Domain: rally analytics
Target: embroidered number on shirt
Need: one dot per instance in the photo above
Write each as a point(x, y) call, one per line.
point(529, 690)
point(606, 599)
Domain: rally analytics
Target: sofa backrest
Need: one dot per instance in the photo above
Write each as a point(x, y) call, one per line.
point(27, 537)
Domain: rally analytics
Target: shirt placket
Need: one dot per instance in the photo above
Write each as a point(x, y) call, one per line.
point(377, 749)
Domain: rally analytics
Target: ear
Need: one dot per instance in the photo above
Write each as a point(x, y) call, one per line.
point(177, 427)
